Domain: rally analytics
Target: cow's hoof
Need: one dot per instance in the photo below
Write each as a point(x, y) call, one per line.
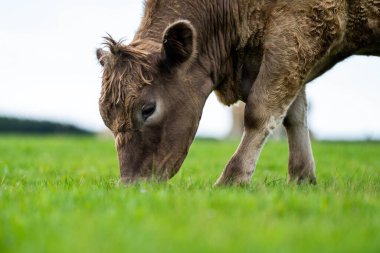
point(303, 179)
point(232, 181)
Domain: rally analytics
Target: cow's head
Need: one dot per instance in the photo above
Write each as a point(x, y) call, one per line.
point(152, 101)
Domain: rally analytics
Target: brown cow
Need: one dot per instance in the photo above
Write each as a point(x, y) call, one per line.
point(262, 52)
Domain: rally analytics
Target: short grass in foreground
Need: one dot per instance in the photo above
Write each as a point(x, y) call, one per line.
point(61, 194)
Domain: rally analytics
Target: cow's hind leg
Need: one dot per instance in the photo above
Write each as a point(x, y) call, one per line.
point(301, 162)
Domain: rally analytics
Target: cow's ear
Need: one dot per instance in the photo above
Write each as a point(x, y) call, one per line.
point(179, 42)
point(102, 56)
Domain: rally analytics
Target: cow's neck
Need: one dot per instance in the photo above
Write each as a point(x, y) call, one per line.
point(363, 28)
point(222, 29)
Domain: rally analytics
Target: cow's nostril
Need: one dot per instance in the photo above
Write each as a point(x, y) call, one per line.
point(148, 110)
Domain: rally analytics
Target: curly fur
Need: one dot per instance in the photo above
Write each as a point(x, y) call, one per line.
point(262, 52)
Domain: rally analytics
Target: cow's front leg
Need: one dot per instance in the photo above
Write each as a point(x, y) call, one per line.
point(266, 108)
point(276, 87)
point(241, 166)
point(301, 166)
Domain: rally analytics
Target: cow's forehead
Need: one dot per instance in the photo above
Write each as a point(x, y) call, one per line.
point(123, 81)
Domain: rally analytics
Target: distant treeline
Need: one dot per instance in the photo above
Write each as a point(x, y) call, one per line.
point(27, 126)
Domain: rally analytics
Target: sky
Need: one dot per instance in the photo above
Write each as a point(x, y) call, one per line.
point(49, 70)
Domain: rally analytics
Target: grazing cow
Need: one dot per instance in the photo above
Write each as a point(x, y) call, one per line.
point(262, 52)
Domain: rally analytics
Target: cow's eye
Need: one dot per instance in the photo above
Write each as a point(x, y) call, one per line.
point(148, 110)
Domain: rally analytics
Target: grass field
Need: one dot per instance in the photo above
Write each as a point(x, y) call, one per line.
point(61, 194)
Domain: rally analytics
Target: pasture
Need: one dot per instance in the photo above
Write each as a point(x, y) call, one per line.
point(62, 194)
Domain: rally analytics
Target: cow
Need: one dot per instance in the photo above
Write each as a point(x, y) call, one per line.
point(261, 52)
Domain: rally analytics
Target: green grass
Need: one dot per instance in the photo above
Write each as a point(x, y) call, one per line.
point(62, 194)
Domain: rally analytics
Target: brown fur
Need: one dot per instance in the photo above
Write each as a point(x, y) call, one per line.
point(262, 52)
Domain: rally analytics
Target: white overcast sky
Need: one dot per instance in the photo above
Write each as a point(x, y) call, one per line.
point(48, 70)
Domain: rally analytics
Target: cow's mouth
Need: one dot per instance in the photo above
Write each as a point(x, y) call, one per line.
point(167, 169)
